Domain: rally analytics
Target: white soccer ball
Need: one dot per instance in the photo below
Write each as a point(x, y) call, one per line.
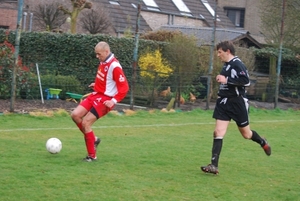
point(53, 145)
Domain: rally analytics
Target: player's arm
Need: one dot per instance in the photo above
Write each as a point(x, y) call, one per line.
point(121, 84)
point(92, 85)
point(239, 76)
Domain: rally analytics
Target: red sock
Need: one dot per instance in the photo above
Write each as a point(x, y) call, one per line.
point(89, 142)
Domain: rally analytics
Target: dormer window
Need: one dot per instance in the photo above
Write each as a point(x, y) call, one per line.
point(151, 5)
point(114, 2)
point(184, 10)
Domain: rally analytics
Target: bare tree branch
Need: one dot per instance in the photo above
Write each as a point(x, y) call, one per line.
point(270, 12)
point(96, 21)
point(48, 16)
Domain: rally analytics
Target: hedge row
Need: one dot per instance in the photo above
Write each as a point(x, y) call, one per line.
point(73, 54)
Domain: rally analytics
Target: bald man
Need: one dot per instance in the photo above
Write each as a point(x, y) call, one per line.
point(110, 87)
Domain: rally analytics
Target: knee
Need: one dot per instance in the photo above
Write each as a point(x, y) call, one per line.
point(247, 135)
point(86, 126)
point(219, 133)
point(78, 113)
point(74, 115)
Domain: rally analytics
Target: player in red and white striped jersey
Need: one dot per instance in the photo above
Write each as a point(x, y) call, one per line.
point(110, 87)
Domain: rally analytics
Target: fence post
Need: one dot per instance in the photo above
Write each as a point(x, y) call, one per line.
point(16, 55)
point(135, 52)
point(280, 55)
point(209, 82)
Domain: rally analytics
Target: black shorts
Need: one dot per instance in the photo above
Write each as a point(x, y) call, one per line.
point(235, 108)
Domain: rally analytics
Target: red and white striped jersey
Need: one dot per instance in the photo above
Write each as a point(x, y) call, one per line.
point(110, 79)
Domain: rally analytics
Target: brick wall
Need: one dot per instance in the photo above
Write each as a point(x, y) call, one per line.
point(253, 21)
point(8, 15)
point(156, 20)
point(188, 22)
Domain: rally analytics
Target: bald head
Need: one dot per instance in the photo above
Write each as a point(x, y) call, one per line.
point(102, 50)
point(102, 46)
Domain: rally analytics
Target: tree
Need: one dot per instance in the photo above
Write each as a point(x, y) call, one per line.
point(270, 12)
point(48, 17)
point(183, 54)
point(96, 21)
point(77, 7)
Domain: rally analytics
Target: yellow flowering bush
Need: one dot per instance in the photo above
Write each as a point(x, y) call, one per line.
point(152, 64)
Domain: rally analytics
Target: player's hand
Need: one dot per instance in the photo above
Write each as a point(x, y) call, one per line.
point(221, 79)
point(92, 85)
point(109, 103)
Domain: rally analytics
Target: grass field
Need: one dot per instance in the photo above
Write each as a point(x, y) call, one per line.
point(149, 156)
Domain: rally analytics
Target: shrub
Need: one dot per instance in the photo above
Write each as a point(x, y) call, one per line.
point(65, 83)
point(7, 63)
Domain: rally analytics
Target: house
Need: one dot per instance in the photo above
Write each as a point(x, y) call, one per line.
point(190, 16)
point(154, 14)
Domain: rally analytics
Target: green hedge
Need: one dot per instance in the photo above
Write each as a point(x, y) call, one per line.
point(73, 54)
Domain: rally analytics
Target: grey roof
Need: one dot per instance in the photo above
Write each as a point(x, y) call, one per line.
point(204, 34)
point(125, 15)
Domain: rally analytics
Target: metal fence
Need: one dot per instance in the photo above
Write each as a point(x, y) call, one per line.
point(152, 91)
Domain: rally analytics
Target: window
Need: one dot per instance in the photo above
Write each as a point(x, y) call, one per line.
point(170, 19)
point(181, 6)
point(237, 16)
point(133, 5)
point(151, 5)
point(4, 27)
point(114, 2)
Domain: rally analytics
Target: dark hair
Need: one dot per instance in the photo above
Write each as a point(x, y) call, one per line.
point(226, 45)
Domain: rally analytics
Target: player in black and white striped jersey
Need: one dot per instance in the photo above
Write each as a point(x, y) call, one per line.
point(231, 104)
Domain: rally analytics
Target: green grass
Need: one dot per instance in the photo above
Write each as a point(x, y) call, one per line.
point(149, 157)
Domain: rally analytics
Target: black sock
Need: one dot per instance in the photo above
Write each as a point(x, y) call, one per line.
point(216, 150)
point(256, 138)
